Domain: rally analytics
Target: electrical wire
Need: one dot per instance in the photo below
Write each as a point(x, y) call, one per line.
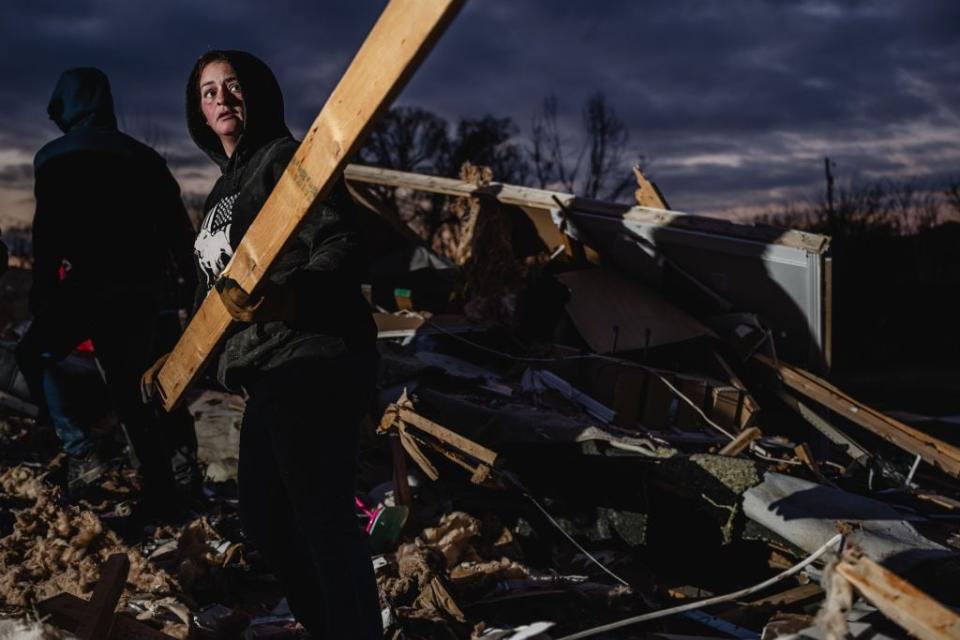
point(662, 613)
point(559, 528)
point(593, 356)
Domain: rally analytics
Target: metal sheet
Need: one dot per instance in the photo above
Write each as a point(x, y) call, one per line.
point(782, 284)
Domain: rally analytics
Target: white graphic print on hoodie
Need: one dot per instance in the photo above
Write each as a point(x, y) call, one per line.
point(212, 246)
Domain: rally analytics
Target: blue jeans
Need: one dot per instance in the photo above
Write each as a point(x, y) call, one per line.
point(123, 332)
point(65, 384)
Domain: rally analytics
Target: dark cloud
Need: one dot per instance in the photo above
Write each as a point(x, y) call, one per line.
point(735, 103)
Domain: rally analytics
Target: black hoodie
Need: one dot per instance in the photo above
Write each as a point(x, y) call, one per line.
point(324, 263)
point(105, 203)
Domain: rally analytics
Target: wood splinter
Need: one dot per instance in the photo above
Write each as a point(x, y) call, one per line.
point(915, 611)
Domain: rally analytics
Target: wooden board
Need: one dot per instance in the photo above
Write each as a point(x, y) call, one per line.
point(933, 450)
point(912, 609)
point(398, 42)
point(530, 198)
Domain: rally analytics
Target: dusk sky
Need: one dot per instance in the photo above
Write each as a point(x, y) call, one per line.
point(734, 103)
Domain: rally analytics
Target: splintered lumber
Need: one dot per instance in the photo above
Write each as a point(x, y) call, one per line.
point(529, 198)
point(930, 449)
point(398, 42)
point(915, 611)
point(647, 193)
point(400, 415)
point(789, 597)
point(736, 446)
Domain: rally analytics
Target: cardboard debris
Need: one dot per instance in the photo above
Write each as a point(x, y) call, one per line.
point(614, 314)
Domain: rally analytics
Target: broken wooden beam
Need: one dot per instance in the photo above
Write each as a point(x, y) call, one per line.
point(832, 433)
point(932, 450)
point(400, 416)
point(647, 193)
point(794, 595)
point(98, 621)
point(912, 609)
point(402, 410)
point(544, 200)
point(736, 446)
point(747, 408)
point(66, 611)
point(398, 42)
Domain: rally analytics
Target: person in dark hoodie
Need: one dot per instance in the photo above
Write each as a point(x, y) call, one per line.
point(303, 351)
point(107, 208)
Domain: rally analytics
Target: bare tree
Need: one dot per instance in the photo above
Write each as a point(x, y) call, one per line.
point(607, 137)
point(854, 208)
point(548, 149)
point(488, 142)
point(603, 147)
point(408, 139)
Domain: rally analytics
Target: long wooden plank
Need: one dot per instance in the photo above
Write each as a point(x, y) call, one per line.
point(479, 452)
point(530, 198)
point(398, 42)
point(933, 450)
point(915, 611)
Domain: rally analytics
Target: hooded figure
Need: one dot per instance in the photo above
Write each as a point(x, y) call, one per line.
point(108, 216)
point(106, 203)
point(304, 352)
point(322, 267)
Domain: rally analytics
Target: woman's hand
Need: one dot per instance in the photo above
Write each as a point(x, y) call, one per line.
point(272, 302)
point(148, 381)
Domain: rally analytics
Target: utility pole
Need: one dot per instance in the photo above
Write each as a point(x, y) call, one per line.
point(831, 212)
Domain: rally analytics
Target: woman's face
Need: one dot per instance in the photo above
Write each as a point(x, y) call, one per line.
point(221, 101)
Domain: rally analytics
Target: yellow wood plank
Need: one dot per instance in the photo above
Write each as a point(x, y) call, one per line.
point(915, 611)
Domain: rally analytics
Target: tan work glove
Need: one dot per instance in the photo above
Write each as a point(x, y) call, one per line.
point(148, 381)
point(273, 302)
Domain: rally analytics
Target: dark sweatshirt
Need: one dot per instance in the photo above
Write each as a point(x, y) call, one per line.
point(105, 203)
point(323, 264)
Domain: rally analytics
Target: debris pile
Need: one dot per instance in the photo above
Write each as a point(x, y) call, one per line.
point(593, 420)
point(651, 428)
point(58, 548)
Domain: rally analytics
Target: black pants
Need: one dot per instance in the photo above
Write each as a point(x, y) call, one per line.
point(123, 337)
point(298, 462)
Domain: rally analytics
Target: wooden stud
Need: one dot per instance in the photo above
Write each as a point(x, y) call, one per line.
point(915, 611)
point(546, 200)
point(401, 484)
point(736, 446)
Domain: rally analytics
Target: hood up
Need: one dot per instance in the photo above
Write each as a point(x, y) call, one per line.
point(262, 104)
point(82, 98)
